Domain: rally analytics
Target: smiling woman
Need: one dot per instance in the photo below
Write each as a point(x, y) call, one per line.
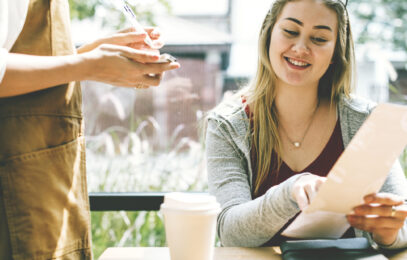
point(270, 146)
point(305, 41)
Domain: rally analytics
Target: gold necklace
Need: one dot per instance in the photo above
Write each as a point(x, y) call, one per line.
point(297, 144)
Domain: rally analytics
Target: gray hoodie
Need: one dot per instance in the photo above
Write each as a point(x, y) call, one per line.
point(245, 222)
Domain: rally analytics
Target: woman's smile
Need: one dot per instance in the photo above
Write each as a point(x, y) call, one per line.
point(302, 44)
point(296, 63)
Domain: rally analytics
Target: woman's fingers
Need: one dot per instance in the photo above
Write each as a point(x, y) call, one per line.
point(152, 80)
point(155, 35)
point(301, 198)
point(373, 224)
point(384, 198)
point(157, 44)
point(126, 38)
point(319, 182)
point(381, 210)
point(305, 189)
point(136, 55)
point(153, 32)
point(368, 209)
point(138, 45)
point(310, 190)
point(126, 30)
point(156, 68)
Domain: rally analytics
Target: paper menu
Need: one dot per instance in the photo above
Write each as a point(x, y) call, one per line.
point(318, 224)
point(361, 169)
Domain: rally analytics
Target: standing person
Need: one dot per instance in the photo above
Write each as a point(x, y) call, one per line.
point(44, 207)
point(270, 146)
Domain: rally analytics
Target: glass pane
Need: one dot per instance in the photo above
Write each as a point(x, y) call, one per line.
point(151, 140)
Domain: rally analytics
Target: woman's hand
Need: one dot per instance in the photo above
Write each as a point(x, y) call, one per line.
point(382, 215)
point(124, 66)
point(305, 188)
point(112, 60)
point(128, 37)
point(124, 59)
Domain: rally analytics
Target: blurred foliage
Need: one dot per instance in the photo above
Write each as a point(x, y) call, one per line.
point(108, 12)
point(118, 229)
point(383, 22)
point(403, 161)
point(83, 9)
point(125, 160)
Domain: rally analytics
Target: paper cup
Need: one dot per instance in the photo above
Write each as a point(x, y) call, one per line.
point(190, 225)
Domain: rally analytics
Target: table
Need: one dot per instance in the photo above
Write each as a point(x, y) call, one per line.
point(221, 253)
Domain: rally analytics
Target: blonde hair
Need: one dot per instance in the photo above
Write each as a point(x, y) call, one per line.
point(338, 80)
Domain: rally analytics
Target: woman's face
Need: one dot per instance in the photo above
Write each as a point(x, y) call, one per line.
point(303, 42)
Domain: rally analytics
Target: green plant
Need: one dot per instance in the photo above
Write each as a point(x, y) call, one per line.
point(122, 160)
point(108, 12)
point(403, 161)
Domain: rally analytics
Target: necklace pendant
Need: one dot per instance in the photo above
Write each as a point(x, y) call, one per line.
point(297, 144)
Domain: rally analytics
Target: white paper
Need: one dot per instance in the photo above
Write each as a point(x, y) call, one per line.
point(360, 170)
point(319, 224)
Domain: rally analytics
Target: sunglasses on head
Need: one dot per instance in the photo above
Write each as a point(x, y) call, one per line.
point(344, 2)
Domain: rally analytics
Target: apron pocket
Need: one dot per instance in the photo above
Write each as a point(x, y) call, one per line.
point(46, 202)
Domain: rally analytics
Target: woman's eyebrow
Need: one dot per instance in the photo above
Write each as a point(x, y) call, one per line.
point(324, 27)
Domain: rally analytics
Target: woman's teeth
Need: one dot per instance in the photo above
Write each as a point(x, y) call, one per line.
point(297, 63)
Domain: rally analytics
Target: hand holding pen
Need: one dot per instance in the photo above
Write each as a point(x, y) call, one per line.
point(131, 16)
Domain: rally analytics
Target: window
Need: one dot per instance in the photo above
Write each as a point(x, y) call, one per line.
point(151, 140)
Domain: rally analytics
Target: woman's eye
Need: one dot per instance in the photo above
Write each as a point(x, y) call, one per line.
point(292, 33)
point(318, 40)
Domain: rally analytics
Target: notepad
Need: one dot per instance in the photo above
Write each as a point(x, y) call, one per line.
point(360, 170)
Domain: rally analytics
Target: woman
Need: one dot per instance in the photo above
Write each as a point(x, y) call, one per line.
point(44, 208)
point(270, 146)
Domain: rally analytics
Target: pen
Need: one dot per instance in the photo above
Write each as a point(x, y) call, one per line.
point(131, 16)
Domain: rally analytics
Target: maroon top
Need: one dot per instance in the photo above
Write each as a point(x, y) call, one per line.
point(320, 166)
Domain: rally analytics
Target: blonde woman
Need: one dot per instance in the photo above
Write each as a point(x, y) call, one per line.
point(270, 146)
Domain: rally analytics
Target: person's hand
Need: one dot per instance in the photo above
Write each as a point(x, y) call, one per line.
point(305, 188)
point(155, 36)
point(128, 37)
point(382, 215)
point(124, 66)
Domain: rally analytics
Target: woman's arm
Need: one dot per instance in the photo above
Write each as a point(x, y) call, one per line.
point(243, 221)
point(116, 64)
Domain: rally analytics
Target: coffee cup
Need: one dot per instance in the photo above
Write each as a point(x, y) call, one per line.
point(190, 225)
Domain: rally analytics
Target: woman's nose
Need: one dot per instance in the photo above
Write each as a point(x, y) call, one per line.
point(301, 47)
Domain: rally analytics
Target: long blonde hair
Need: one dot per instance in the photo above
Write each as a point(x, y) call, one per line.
point(338, 80)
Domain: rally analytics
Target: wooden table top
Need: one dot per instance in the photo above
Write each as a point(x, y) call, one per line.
point(221, 253)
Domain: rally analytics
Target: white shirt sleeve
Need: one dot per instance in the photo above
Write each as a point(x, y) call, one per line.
point(3, 57)
point(12, 18)
point(3, 35)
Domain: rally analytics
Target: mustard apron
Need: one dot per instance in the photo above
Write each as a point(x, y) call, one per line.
point(44, 205)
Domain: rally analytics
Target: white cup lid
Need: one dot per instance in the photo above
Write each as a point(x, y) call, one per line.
point(189, 201)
